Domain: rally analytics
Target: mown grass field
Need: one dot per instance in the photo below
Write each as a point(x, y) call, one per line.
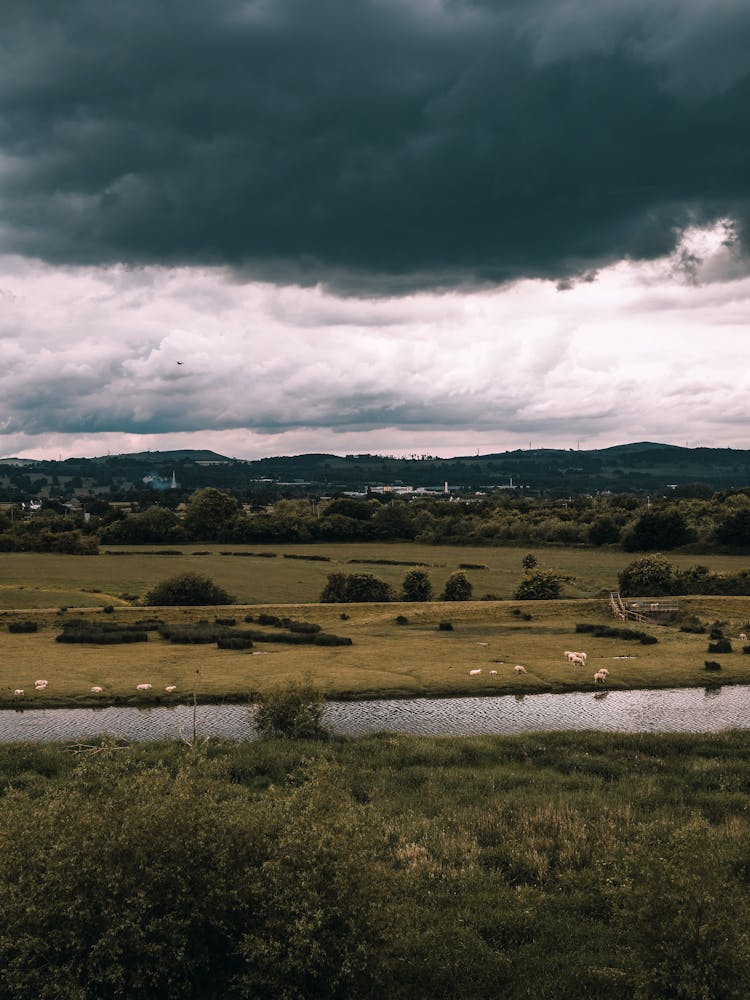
point(386, 659)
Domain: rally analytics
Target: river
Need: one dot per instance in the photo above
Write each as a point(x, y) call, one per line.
point(674, 710)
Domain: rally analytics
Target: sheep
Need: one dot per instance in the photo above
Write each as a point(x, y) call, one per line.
point(569, 654)
point(475, 673)
point(40, 685)
point(604, 672)
point(743, 637)
point(518, 669)
point(143, 687)
point(96, 689)
point(582, 655)
point(18, 692)
point(170, 688)
point(493, 673)
point(577, 659)
point(599, 677)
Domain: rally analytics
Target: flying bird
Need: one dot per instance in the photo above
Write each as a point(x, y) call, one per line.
point(180, 362)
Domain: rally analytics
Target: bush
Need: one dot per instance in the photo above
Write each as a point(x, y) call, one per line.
point(445, 627)
point(711, 665)
point(355, 588)
point(541, 585)
point(188, 589)
point(230, 622)
point(290, 713)
point(746, 649)
point(234, 642)
point(23, 627)
point(108, 609)
point(416, 586)
point(402, 620)
point(720, 646)
point(457, 588)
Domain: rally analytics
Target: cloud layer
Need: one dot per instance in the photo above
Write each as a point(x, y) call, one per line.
point(89, 362)
point(377, 146)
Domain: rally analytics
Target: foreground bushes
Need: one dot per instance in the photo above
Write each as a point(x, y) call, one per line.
point(551, 866)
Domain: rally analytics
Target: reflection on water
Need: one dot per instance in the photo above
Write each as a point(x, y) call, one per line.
point(673, 710)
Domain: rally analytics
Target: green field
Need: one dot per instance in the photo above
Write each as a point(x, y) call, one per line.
point(385, 660)
point(42, 580)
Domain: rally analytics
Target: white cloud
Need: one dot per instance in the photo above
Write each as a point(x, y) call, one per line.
point(89, 363)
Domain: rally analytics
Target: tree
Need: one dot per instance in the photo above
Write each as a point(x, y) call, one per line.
point(210, 514)
point(652, 576)
point(734, 529)
point(187, 589)
point(658, 529)
point(604, 531)
point(543, 585)
point(354, 588)
point(457, 588)
point(416, 586)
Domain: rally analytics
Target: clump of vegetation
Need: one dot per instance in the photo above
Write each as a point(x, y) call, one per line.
point(234, 642)
point(290, 713)
point(402, 620)
point(20, 627)
point(711, 665)
point(457, 588)
point(229, 622)
point(616, 632)
point(417, 586)
point(200, 633)
point(187, 590)
point(355, 588)
point(313, 558)
point(445, 627)
point(89, 632)
point(720, 646)
point(540, 585)
point(108, 609)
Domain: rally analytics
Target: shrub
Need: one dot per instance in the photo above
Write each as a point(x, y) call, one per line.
point(327, 639)
point(746, 649)
point(648, 640)
point(720, 646)
point(693, 629)
point(108, 609)
point(457, 588)
point(354, 588)
point(225, 621)
point(290, 713)
point(402, 620)
point(308, 628)
point(234, 642)
point(445, 627)
point(541, 585)
point(188, 589)
point(711, 665)
point(202, 633)
point(417, 586)
point(23, 627)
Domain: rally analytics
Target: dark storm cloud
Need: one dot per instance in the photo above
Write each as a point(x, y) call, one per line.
point(376, 145)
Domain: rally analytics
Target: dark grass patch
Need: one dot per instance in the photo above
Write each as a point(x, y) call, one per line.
point(613, 632)
point(234, 642)
point(19, 627)
point(292, 555)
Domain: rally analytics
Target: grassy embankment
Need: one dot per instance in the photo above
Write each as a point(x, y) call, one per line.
point(549, 865)
point(385, 660)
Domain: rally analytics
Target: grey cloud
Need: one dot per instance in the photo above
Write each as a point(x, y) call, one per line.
point(372, 145)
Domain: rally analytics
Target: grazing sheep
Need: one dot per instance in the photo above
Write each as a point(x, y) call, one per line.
point(475, 673)
point(518, 669)
point(603, 671)
point(582, 655)
point(493, 673)
point(18, 691)
point(143, 687)
point(96, 689)
point(577, 659)
point(599, 677)
point(40, 685)
point(569, 654)
point(170, 688)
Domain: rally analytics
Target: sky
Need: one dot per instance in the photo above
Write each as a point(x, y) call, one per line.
point(437, 227)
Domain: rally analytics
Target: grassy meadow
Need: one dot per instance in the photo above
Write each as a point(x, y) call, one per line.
point(287, 574)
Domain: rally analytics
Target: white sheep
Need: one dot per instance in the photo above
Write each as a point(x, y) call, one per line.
point(518, 669)
point(578, 660)
point(743, 637)
point(96, 689)
point(582, 655)
point(604, 672)
point(143, 687)
point(170, 688)
point(475, 673)
point(569, 654)
point(18, 691)
point(493, 673)
point(40, 685)
point(599, 677)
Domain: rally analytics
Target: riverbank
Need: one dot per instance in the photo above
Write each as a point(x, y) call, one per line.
point(397, 651)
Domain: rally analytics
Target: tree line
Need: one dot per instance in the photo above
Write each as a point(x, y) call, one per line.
point(720, 522)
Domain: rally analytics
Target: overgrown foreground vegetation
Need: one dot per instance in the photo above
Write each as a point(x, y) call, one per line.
point(544, 866)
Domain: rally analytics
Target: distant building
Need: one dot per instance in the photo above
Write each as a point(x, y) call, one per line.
point(158, 482)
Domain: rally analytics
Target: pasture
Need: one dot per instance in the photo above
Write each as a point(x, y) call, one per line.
point(386, 658)
point(296, 574)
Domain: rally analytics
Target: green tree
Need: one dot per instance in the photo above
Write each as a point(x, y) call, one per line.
point(354, 588)
point(542, 585)
point(651, 576)
point(457, 588)
point(417, 586)
point(659, 528)
point(187, 589)
point(210, 515)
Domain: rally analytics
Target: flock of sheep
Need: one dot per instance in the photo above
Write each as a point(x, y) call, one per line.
point(576, 657)
point(41, 685)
